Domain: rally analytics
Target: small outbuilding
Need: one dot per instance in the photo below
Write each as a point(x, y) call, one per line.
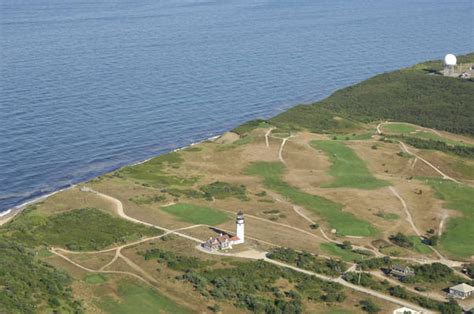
point(401, 271)
point(461, 291)
point(405, 310)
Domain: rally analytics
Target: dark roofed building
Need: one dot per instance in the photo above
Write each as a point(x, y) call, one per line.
point(401, 271)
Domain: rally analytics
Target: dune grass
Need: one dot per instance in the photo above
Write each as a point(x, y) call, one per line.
point(347, 168)
point(197, 214)
point(457, 237)
point(153, 172)
point(135, 298)
point(345, 223)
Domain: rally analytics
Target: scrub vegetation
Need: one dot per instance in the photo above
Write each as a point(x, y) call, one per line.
point(408, 95)
point(308, 261)
point(253, 286)
point(28, 285)
point(84, 229)
point(367, 280)
point(345, 223)
point(347, 168)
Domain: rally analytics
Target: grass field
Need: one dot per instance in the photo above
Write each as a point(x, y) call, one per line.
point(94, 279)
point(345, 223)
point(197, 214)
point(335, 250)
point(401, 128)
point(455, 239)
point(136, 298)
point(347, 168)
point(80, 229)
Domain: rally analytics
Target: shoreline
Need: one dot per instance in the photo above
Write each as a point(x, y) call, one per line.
point(10, 213)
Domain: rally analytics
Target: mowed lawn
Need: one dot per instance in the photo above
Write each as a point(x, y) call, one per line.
point(457, 237)
point(135, 298)
point(345, 223)
point(197, 214)
point(335, 250)
point(347, 168)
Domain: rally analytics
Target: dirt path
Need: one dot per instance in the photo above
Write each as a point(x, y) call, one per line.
point(445, 176)
point(405, 208)
point(441, 225)
point(351, 286)
point(97, 271)
point(405, 149)
point(431, 295)
point(280, 152)
point(267, 134)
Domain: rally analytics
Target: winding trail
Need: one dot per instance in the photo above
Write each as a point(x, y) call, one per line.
point(280, 152)
point(267, 134)
point(351, 286)
point(444, 175)
point(251, 254)
point(406, 150)
point(405, 208)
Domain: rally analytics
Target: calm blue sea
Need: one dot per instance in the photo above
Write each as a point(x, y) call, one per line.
point(87, 86)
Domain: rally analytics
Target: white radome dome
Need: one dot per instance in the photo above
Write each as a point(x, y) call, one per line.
point(450, 59)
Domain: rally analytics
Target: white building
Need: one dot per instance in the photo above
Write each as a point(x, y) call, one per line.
point(461, 291)
point(405, 310)
point(225, 241)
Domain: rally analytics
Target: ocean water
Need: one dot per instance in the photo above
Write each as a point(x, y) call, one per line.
point(89, 86)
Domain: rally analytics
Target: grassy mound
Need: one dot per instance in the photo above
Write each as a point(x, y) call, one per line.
point(345, 223)
point(86, 229)
point(347, 168)
point(414, 95)
point(197, 214)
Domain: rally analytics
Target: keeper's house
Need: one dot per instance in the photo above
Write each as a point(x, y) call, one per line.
point(401, 271)
point(461, 291)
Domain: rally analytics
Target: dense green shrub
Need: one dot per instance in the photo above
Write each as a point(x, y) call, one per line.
point(222, 190)
point(409, 95)
point(83, 229)
point(28, 285)
point(308, 261)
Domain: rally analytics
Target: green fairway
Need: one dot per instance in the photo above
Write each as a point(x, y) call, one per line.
point(95, 279)
point(345, 223)
point(456, 239)
point(335, 250)
point(399, 128)
point(136, 298)
point(197, 214)
point(347, 168)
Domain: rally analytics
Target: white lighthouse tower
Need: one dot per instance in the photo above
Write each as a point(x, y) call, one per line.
point(239, 221)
